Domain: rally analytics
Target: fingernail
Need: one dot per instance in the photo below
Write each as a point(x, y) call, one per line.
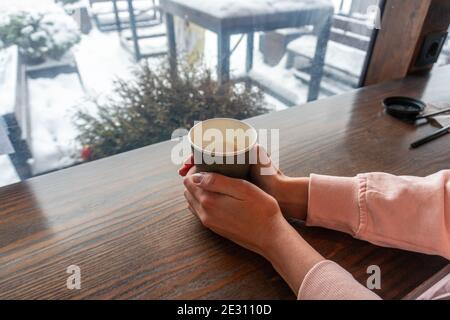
point(197, 178)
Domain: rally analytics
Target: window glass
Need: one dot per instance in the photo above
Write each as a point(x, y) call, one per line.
point(82, 80)
point(444, 58)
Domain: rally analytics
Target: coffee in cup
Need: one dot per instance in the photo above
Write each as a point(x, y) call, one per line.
point(224, 146)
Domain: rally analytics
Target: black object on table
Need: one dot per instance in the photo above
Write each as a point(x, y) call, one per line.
point(426, 116)
point(404, 107)
point(440, 133)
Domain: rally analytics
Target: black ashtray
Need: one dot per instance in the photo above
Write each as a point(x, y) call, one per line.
point(404, 107)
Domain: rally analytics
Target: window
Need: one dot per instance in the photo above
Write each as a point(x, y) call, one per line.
point(82, 80)
point(444, 57)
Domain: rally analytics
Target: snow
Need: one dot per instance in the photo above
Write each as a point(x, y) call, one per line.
point(233, 8)
point(101, 59)
point(48, 29)
point(63, 28)
point(5, 144)
point(8, 174)
point(107, 7)
point(340, 56)
point(281, 81)
point(51, 114)
point(28, 5)
point(8, 73)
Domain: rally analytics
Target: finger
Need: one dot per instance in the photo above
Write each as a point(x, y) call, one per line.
point(213, 182)
point(192, 171)
point(265, 165)
point(197, 208)
point(187, 171)
point(205, 198)
point(192, 203)
point(263, 156)
point(187, 165)
point(183, 170)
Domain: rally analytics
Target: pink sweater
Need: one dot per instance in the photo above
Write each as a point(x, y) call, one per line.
point(409, 213)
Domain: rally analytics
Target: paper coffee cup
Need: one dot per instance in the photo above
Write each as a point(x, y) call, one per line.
point(223, 146)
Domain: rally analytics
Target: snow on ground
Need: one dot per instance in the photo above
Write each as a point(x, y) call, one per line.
point(101, 59)
point(53, 103)
point(8, 174)
point(275, 77)
point(8, 65)
point(338, 55)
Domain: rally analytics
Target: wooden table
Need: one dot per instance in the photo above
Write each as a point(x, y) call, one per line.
point(123, 220)
point(228, 17)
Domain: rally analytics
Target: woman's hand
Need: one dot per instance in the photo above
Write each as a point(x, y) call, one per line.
point(243, 213)
point(290, 193)
point(235, 209)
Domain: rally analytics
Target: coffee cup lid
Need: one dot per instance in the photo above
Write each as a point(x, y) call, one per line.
point(404, 107)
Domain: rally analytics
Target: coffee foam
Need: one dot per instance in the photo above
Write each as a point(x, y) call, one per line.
point(223, 136)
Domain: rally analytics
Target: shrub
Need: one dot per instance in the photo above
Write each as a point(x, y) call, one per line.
point(150, 108)
point(39, 35)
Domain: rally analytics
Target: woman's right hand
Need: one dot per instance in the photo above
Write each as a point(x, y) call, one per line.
point(290, 193)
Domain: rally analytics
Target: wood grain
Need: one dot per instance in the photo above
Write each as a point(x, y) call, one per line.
point(437, 20)
point(427, 285)
point(401, 26)
point(123, 220)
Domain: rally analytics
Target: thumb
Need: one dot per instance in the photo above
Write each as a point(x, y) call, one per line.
point(218, 183)
point(264, 165)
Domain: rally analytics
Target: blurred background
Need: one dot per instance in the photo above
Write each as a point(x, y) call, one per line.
point(82, 80)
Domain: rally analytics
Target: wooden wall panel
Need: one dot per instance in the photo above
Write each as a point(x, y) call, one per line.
point(401, 28)
point(437, 20)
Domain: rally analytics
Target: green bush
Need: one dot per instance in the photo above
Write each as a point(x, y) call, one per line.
point(39, 35)
point(150, 108)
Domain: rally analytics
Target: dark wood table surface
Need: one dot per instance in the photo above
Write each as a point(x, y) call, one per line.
point(123, 220)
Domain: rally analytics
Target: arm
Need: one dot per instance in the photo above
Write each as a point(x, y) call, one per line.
point(243, 213)
point(409, 213)
point(309, 275)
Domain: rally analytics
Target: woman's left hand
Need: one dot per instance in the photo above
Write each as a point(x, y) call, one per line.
point(235, 209)
point(243, 213)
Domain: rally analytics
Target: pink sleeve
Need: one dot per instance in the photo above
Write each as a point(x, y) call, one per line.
point(328, 281)
point(409, 213)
